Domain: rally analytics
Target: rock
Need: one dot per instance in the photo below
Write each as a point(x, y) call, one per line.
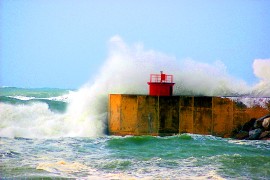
point(255, 134)
point(265, 134)
point(258, 124)
point(242, 135)
point(254, 129)
point(266, 123)
point(248, 126)
point(266, 138)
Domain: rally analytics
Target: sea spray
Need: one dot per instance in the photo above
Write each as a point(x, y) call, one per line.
point(87, 112)
point(195, 78)
point(261, 68)
point(127, 70)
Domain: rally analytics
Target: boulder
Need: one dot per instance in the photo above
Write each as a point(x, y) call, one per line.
point(264, 135)
point(242, 135)
point(266, 123)
point(248, 126)
point(255, 134)
point(258, 123)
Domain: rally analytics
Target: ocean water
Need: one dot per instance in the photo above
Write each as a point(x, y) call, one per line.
point(56, 133)
point(178, 157)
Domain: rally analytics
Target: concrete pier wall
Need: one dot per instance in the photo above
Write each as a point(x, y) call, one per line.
point(168, 115)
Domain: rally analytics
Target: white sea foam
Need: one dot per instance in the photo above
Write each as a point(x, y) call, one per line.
point(126, 70)
point(35, 120)
point(63, 98)
point(23, 98)
point(62, 166)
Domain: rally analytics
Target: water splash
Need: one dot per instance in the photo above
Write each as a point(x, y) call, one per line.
point(261, 68)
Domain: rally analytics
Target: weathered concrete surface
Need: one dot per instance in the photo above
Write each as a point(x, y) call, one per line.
point(202, 115)
point(168, 115)
point(114, 109)
point(133, 115)
point(222, 117)
point(147, 115)
point(186, 117)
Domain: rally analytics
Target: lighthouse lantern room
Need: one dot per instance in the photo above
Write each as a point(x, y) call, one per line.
point(161, 84)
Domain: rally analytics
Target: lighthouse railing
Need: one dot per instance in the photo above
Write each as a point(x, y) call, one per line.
point(161, 78)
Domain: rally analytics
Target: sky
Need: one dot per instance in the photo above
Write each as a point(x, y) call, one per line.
point(64, 43)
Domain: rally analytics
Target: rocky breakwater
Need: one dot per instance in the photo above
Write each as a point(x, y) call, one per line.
point(255, 129)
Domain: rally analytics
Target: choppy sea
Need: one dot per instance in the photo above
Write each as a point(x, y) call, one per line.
point(43, 136)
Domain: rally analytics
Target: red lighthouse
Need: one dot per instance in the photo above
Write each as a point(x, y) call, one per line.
point(161, 84)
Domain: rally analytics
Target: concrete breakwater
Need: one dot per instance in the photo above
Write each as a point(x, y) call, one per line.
point(169, 115)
